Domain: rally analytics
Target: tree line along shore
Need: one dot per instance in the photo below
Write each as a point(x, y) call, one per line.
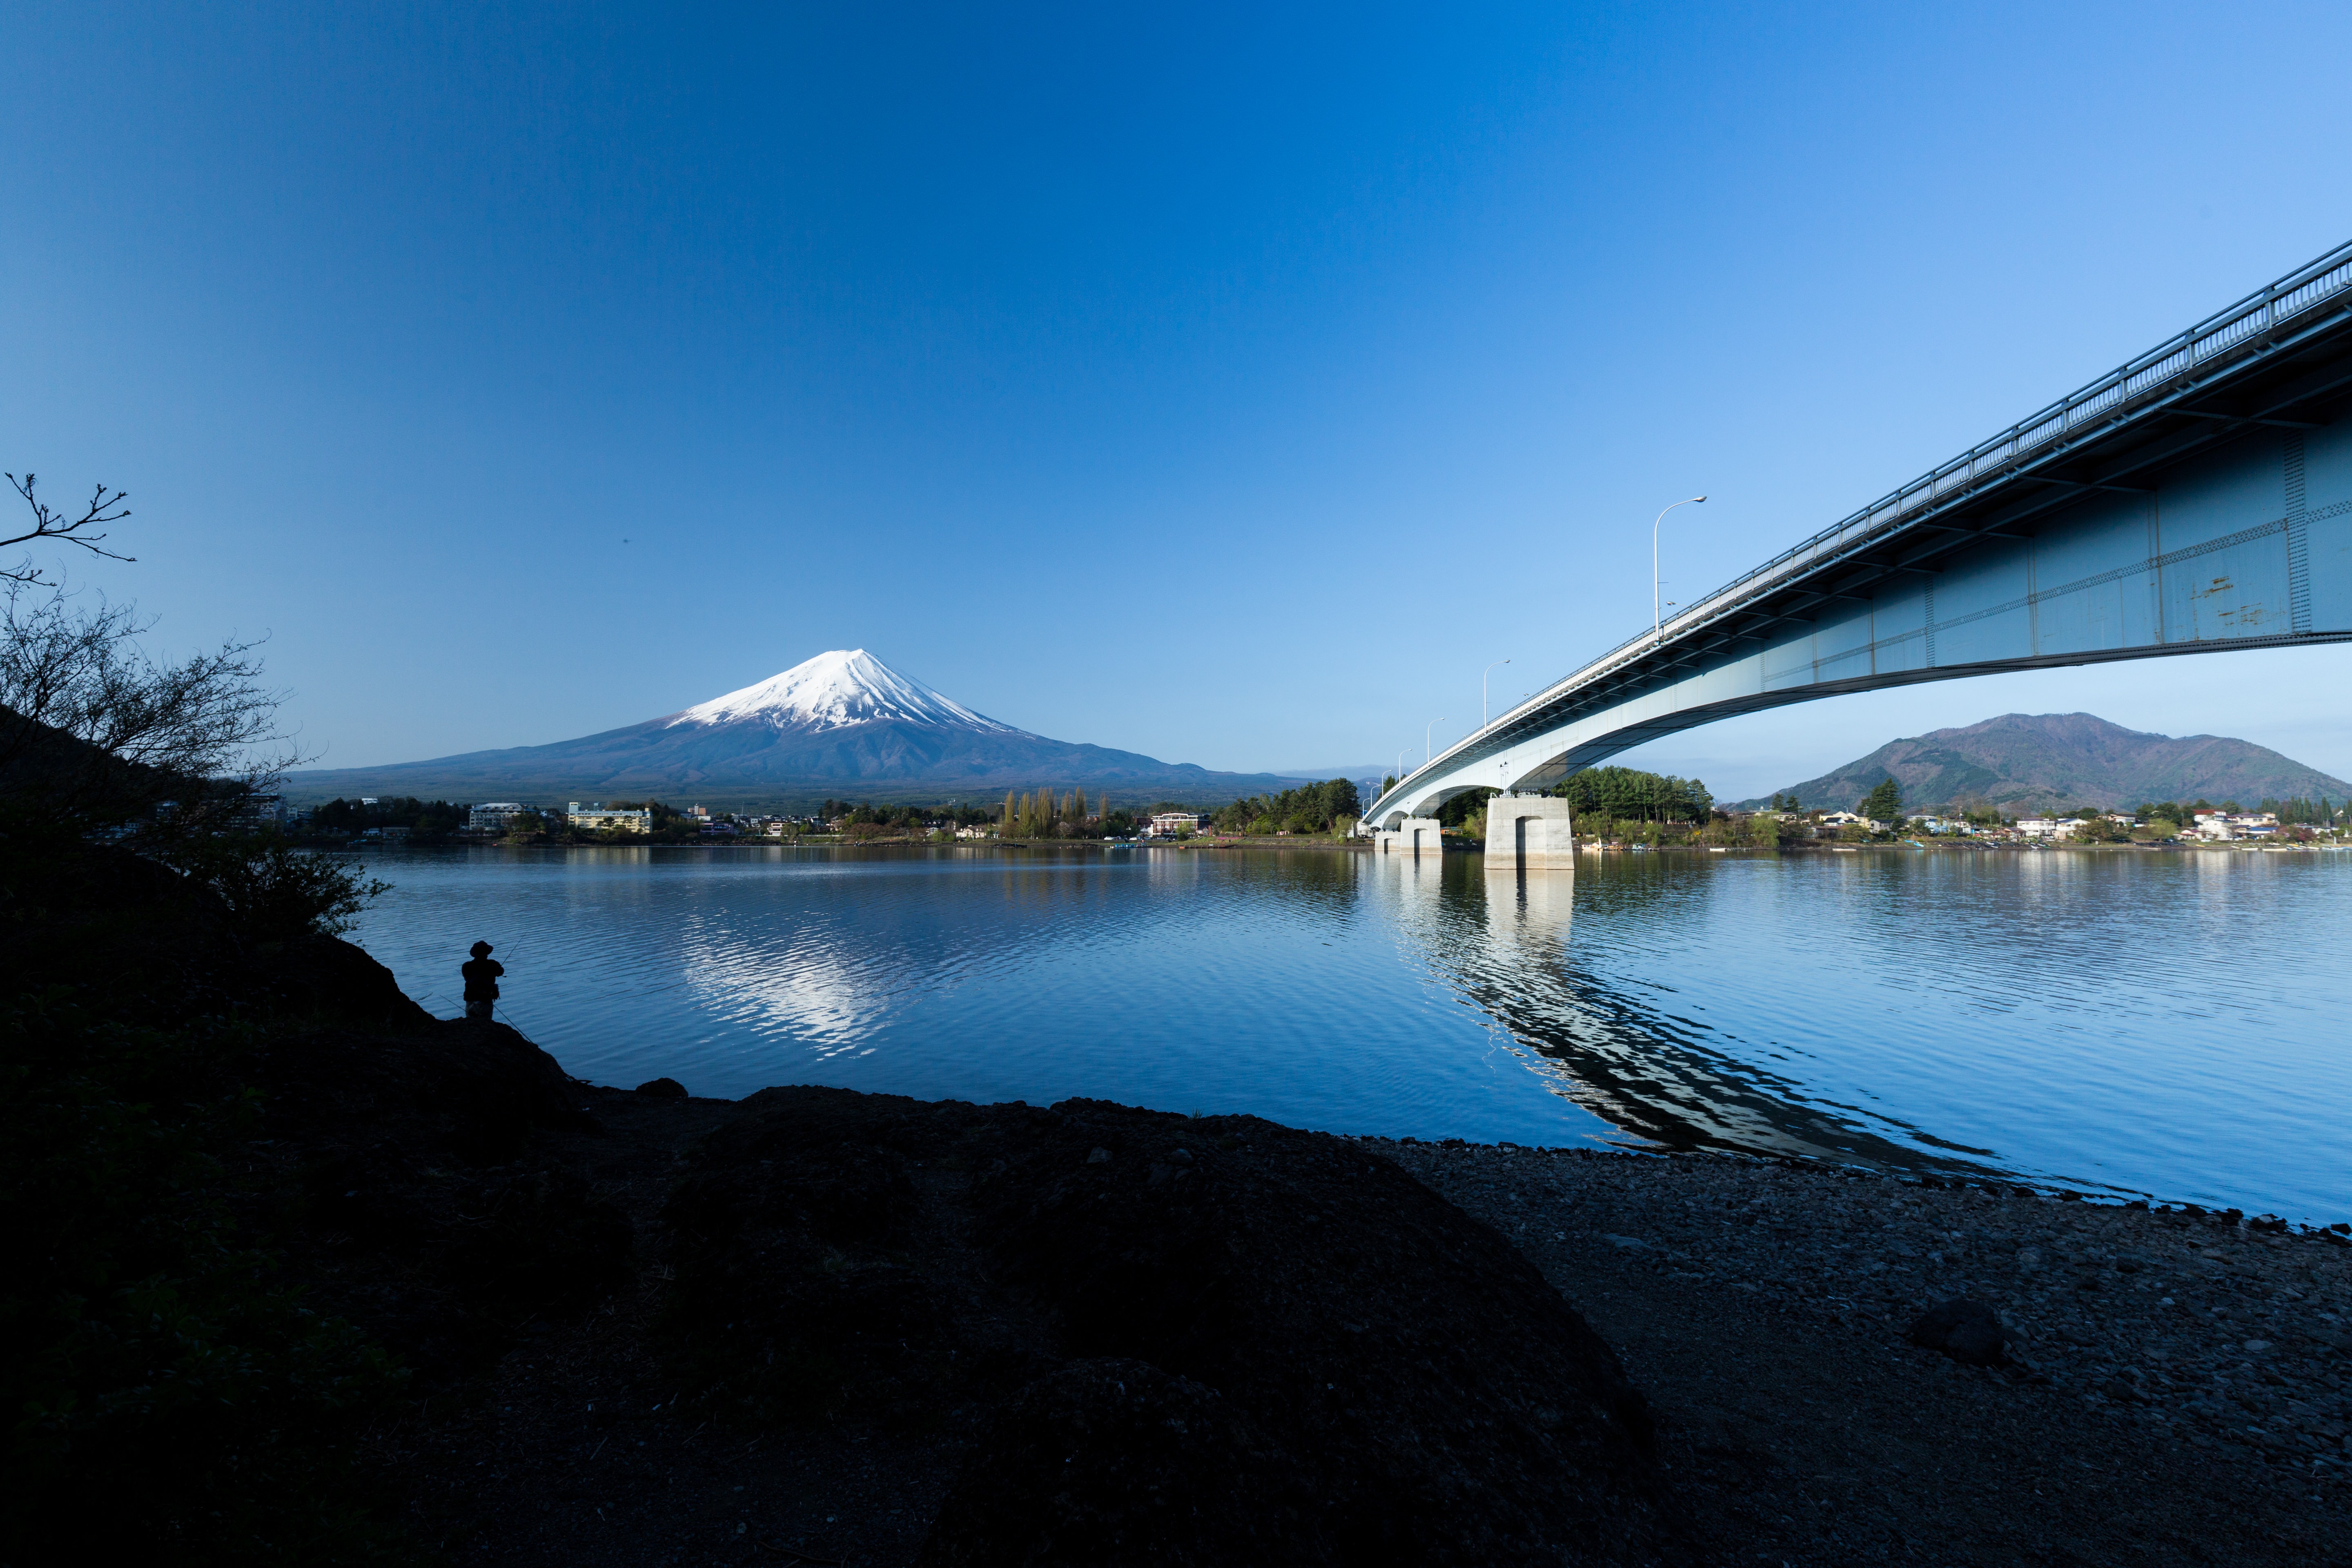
point(1614, 808)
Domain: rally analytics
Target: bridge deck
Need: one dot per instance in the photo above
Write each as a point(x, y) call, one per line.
point(2275, 364)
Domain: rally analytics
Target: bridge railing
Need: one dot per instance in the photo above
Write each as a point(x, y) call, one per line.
point(2145, 374)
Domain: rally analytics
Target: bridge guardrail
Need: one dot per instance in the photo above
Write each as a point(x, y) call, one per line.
point(2312, 284)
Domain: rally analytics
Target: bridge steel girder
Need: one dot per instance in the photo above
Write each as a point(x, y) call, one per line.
point(2174, 527)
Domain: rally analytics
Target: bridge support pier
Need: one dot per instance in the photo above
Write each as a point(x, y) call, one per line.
point(1413, 836)
point(1530, 833)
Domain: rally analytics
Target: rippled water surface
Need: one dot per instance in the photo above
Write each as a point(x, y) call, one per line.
point(2170, 1024)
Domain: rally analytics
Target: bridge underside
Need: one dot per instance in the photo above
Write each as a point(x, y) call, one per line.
point(2190, 529)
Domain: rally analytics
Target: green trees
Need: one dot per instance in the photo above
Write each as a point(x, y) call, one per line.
point(1467, 812)
point(2096, 827)
point(1045, 815)
point(425, 819)
point(2294, 808)
point(1310, 808)
point(1629, 793)
point(1884, 803)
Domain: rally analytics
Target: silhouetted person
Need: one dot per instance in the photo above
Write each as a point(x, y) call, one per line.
point(481, 981)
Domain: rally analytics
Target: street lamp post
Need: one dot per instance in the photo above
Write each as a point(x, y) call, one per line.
point(1657, 626)
point(1482, 692)
point(1426, 731)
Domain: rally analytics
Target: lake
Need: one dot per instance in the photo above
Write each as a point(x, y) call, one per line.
point(2165, 1024)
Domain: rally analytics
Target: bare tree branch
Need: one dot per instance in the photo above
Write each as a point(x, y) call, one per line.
point(97, 731)
point(105, 506)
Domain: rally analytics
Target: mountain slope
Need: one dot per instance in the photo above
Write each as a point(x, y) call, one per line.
point(840, 723)
point(2040, 762)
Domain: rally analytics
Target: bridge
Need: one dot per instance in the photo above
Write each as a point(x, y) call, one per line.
point(2197, 499)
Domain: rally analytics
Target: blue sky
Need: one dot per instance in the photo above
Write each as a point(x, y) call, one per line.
point(1227, 385)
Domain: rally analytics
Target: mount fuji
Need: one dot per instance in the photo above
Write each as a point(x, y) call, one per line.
point(843, 722)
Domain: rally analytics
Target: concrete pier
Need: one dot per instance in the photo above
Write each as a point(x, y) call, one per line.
point(1530, 833)
point(1413, 836)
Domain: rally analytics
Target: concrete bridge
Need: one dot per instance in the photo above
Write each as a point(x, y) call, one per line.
point(2195, 500)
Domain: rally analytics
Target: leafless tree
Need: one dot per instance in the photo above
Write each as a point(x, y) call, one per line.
point(94, 730)
point(105, 506)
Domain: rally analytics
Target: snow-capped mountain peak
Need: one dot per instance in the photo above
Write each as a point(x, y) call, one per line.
point(836, 690)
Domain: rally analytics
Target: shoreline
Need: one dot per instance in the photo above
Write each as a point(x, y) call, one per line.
point(2174, 1376)
point(2176, 1384)
point(1353, 846)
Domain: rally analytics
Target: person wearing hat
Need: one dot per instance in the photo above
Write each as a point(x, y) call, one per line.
point(481, 981)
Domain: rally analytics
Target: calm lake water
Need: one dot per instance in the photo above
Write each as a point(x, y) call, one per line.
point(2170, 1025)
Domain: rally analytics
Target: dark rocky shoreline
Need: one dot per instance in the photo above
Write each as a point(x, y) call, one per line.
point(968, 1334)
point(940, 1357)
point(2176, 1390)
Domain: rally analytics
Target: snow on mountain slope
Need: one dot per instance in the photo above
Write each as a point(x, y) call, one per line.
point(843, 716)
point(835, 691)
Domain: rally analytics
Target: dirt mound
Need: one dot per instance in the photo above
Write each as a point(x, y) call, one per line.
point(1359, 1371)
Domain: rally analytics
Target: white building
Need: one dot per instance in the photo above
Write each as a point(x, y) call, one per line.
point(597, 817)
point(2225, 826)
point(259, 811)
point(1169, 824)
point(495, 816)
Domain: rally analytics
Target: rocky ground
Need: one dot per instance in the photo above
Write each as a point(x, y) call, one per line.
point(2172, 1390)
point(2176, 1392)
point(871, 1330)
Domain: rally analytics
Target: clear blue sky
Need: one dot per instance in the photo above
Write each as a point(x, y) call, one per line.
point(1225, 386)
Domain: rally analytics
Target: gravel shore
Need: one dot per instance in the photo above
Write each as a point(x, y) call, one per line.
point(2176, 1390)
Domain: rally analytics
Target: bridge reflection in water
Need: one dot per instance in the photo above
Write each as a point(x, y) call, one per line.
point(1620, 1050)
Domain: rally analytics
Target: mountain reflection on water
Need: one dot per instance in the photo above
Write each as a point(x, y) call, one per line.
point(2131, 1022)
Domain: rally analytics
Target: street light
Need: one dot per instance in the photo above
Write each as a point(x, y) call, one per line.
point(1482, 693)
point(1657, 627)
point(1425, 752)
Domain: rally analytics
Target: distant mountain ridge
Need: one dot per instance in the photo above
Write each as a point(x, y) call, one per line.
point(842, 723)
point(2046, 762)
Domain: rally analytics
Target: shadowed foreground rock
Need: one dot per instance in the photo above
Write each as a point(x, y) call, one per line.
point(424, 1202)
point(1116, 1461)
point(1188, 1340)
point(1967, 1331)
